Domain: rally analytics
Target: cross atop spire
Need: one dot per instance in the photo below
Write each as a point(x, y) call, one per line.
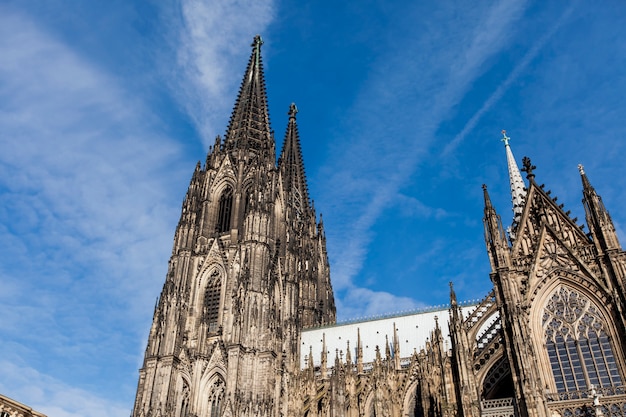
point(505, 139)
point(249, 126)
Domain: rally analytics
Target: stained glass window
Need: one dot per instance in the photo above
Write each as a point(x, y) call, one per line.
point(579, 348)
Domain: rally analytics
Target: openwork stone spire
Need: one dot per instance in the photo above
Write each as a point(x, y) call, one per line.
point(292, 165)
point(518, 192)
point(249, 126)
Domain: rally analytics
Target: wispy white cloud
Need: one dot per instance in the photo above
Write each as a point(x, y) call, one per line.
point(412, 207)
point(54, 397)
point(362, 302)
point(427, 84)
point(213, 36)
point(81, 175)
point(80, 171)
point(510, 79)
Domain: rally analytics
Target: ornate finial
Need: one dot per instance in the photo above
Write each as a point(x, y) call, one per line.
point(452, 295)
point(257, 42)
point(528, 167)
point(292, 111)
point(505, 138)
point(581, 169)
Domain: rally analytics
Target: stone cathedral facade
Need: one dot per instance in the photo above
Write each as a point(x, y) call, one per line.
point(245, 323)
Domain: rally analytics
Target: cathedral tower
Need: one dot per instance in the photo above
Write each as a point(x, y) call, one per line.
point(248, 272)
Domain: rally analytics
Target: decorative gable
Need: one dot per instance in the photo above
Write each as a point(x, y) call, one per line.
point(541, 210)
point(555, 260)
point(226, 169)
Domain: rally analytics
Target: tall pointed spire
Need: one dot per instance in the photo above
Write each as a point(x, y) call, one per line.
point(291, 164)
point(598, 218)
point(249, 126)
point(453, 302)
point(324, 361)
point(518, 193)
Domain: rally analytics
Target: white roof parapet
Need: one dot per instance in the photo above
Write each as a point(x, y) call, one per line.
point(412, 330)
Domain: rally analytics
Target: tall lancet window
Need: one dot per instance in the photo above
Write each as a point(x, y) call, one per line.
point(578, 343)
point(216, 397)
point(224, 211)
point(184, 406)
point(212, 302)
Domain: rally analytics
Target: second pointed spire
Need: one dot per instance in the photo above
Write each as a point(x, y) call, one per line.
point(291, 164)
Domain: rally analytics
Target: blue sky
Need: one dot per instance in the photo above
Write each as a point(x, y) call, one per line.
point(105, 107)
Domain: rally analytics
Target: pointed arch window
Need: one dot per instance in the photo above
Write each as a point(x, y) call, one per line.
point(184, 406)
point(216, 398)
point(578, 342)
point(212, 302)
point(225, 211)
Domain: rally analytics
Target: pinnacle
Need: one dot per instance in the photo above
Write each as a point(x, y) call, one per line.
point(587, 187)
point(486, 197)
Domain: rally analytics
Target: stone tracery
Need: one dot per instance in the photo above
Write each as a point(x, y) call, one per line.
point(578, 343)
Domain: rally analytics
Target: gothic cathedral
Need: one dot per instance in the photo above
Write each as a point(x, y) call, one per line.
point(246, 318)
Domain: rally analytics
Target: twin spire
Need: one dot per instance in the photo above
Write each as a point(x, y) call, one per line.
point(292, 163)
point(249, 129)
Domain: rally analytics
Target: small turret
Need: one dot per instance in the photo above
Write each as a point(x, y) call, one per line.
point(324, 361)
point(600, 224)
point(396, 347)
point(359, 352)
point(453, 302)
point(497, 246)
